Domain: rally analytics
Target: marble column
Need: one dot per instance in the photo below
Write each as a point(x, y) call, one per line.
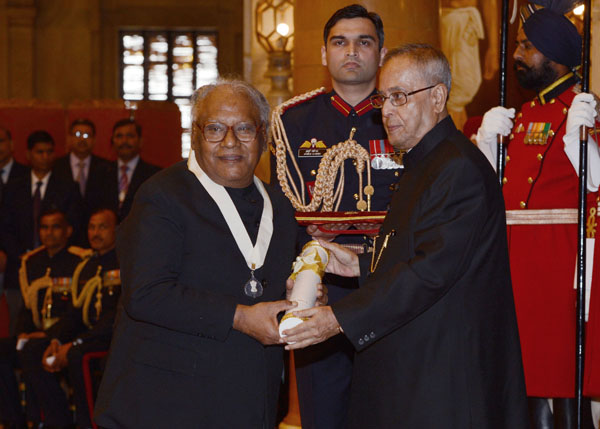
point(17, 49)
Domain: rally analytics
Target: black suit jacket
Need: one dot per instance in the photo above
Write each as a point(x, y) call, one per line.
point(174, 357)
point(16, 217)
point(143, 171)
point(96, 180)
point(95, 189)
point(434, 325)
point(16, 171)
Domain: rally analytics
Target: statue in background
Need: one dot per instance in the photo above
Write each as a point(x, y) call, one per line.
point(461, 28)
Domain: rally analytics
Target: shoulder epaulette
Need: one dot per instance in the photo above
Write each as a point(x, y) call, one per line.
point(299, 99)
point(29, 254)
point(80, 251)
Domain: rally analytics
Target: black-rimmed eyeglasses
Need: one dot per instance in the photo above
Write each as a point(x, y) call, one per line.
point(215, 132)
point(397, 98)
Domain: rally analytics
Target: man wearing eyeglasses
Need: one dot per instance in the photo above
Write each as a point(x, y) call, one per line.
point(433, 321)
point(205, 253)
point(87, 170)
point(352, 52)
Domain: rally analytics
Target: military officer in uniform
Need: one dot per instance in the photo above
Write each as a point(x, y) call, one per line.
point(45, 277)
point(88, 328)
point(540, 192)
point(313, 122)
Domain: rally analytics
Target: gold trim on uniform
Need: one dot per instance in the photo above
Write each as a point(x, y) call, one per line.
point(549, 88)
point(592, 223)
point(93, 288)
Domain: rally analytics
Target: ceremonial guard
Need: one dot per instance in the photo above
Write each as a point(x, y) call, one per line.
point(311, 124)
point(45, 279)
point(95, 292)
point(541, 196)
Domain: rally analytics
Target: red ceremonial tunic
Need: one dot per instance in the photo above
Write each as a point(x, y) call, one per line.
point(538, 175)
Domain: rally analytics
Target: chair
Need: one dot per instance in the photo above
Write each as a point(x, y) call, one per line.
point(87, 379)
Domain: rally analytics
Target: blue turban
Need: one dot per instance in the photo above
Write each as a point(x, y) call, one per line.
point(554, 36)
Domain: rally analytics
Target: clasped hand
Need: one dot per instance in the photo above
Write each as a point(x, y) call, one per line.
point(321, 323)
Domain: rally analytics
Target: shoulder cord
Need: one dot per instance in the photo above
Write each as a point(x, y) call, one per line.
point(330, 163)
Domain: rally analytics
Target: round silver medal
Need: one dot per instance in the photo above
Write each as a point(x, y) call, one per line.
point(253, 288)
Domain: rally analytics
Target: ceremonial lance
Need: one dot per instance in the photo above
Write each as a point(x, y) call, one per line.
point(581, 237)
point(503, 67)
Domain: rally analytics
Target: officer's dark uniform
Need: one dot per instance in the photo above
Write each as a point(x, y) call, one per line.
point(324, 371)
point(49, 309)
point(89, 327)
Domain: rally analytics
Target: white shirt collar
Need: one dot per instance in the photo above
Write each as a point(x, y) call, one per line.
point(6, 170)
point(44, 186)
point(131, 166)
point(74, 161)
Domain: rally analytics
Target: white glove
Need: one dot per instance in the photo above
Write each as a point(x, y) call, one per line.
point(497, 120)
point(583, 112)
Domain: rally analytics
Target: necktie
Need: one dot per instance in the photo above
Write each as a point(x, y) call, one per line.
point(81, 177)
point(37, 207)
point(123, 184)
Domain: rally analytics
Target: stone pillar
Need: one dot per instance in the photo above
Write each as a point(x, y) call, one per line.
point(67, 47)
point(3, 50)
point(16, 48)
point(403, 21)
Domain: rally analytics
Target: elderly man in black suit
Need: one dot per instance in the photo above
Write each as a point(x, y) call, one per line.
point(125, 175)
point(29, 196)
point(204, 253)
point(433, 321)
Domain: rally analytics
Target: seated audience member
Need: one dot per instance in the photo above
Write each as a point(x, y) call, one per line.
point(129, 171)
point(45, 276)
point(10, 170)
point(87, 170)
point(26, 198)
point(96, 288)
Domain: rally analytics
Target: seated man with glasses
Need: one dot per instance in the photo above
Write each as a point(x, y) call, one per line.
point(80, 165)
point(205, 253)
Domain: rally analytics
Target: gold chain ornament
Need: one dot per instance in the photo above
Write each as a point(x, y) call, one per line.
point(326, 195)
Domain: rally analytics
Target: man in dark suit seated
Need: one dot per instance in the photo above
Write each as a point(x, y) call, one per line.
point(125, 176)
point(45, 277)
point(26, 198)
point(88, 327)
point(84, 168)
point(10, 170)
point(205, 253)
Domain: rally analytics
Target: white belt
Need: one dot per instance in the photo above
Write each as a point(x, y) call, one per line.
point(542, 217)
